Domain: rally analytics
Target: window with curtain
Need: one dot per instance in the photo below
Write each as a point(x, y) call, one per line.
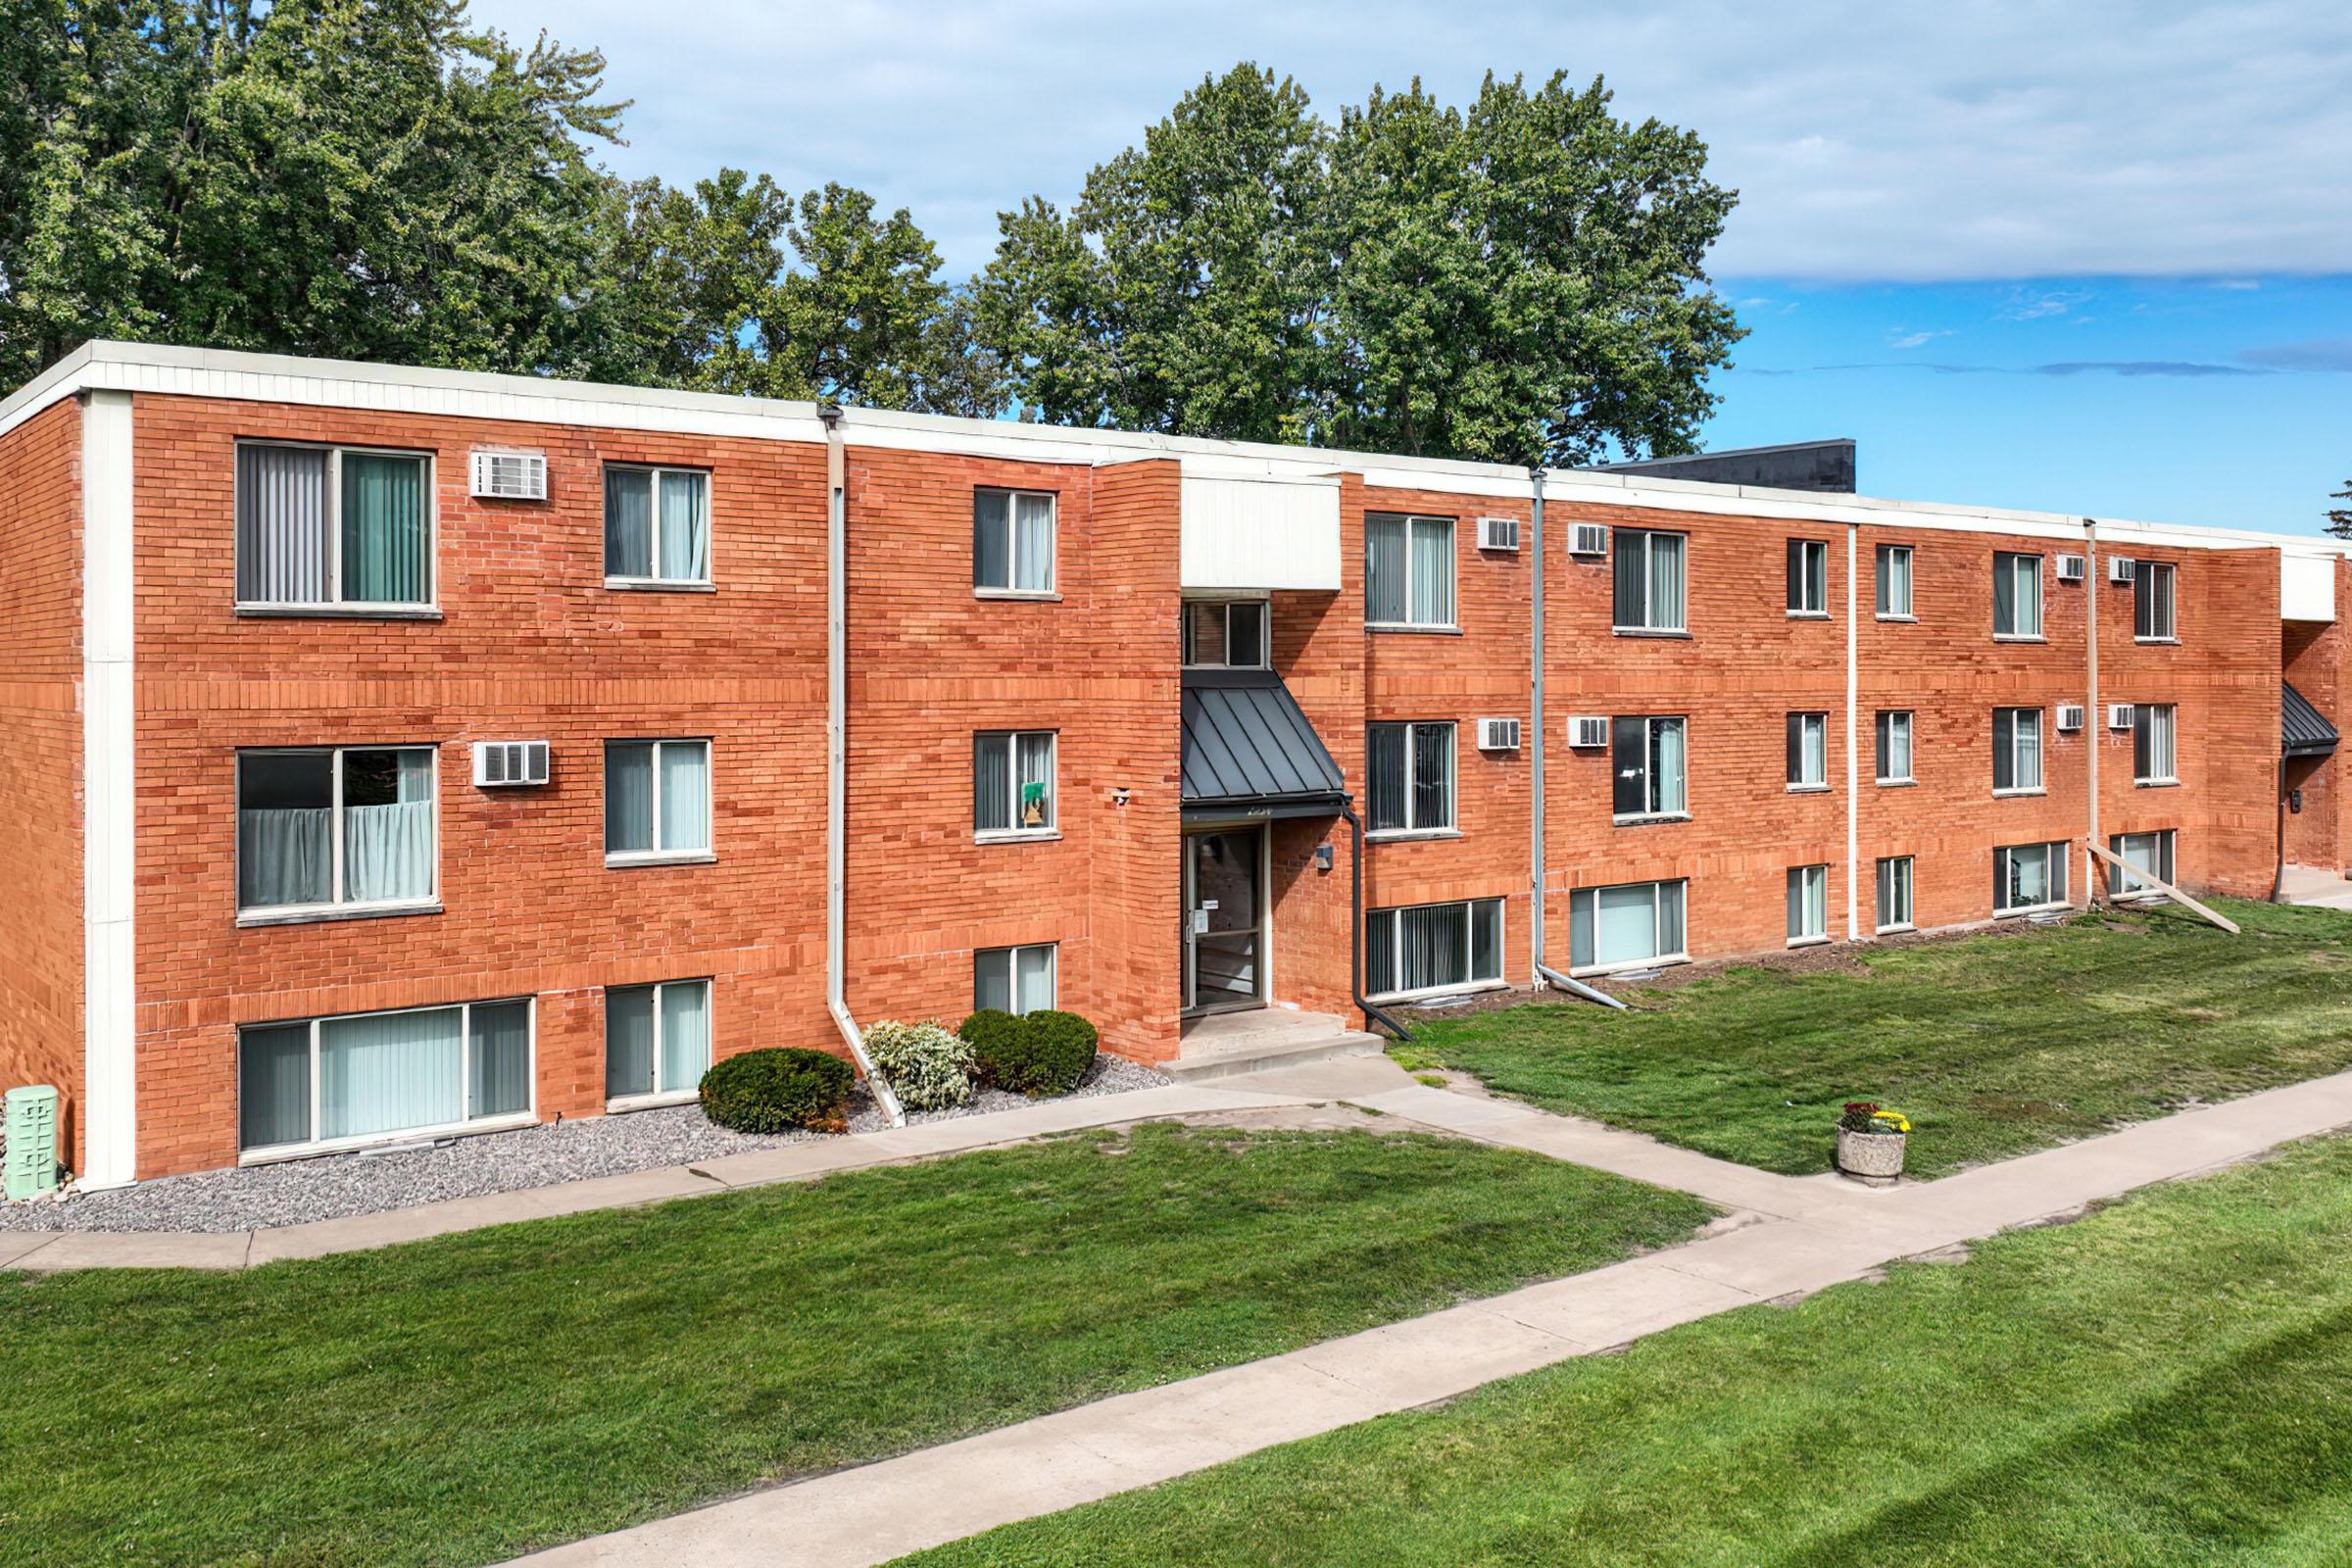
point(1808, 751)
point(1895, 582)
point(657, 526)
point(1649, 757)
point(1012, 541)
point(335, 1082)
point(1426, 948)
point(2150, 852)
point(657, 1039)
point(2016, 749)
point(1808, 903)
point(320, 527)
point(1225, 634)
point(2152, 728)
point(2028, 876)
point(1012, 782)
point(656, 800)
point(1895, 746)
point(1409, 777)
point(1649, 579)
point(331, 828)
point(1627, 926)
point(1895, 893)
point(1408, 570)
point(2016, 595)
point(1809, 578)
point(1014, 979)
point(2152, 601)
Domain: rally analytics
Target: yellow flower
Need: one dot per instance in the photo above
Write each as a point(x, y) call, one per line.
point(1895, 1120)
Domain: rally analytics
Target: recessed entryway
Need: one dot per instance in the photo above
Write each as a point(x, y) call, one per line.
point(1224, 918)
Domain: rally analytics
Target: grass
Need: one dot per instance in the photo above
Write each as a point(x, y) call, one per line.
point(2166, 1383)
point(461, 1399)
point(1992, 1045)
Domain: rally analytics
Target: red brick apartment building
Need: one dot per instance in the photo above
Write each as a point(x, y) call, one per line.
point(403, 750)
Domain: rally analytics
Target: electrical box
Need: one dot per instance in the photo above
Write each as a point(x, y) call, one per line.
point(30, 1118)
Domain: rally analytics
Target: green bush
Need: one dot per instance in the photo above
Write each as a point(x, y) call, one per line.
point(778, 1090)
point(929, 1068)
point(1043, 1052)
point(994, 1036)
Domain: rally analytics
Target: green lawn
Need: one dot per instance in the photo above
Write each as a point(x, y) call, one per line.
point(1994, 1045)
point(2166, 1383)
point(461, 1399)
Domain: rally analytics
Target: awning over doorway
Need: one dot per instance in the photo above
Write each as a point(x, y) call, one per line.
point(2306, 731)
point(1250, 752)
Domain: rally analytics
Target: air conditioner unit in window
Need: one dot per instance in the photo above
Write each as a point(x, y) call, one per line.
point(2119, 715)
point(1588, 731)
point(1497, 734)
point(1589, 539)
point(511, 475)
point(2069, 569)
point(498, 764)
point(2120, 569)
point(1498, 533)
point(2070, 717)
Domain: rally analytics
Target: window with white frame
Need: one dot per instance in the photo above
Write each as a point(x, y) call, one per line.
point(1895, 582)
point(330, 1083)
point(2029, 876)
point(1014, 980)
point(1408, 570)
point(2016, 750)
point(1653, 765)
point(2148, 852)
point(657, 1039)
point(1808, 751)
point(1012, 541)
point(1627, 926)
point(2152, 730)
point(1012, 782)
point(1895, 893)
point(2152, 601)
point(336, 829)
point(657, 526)
point(1225, 634)
point(333, 528)
point(2016, 595)
point(1809, 578)
point(1433, 947)
point(1408, 774)
point(656, 800)
point(1895, 746)
point(1647, 591)
point(1808, 903)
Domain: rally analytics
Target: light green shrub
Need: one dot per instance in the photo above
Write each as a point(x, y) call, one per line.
point(928, 1067)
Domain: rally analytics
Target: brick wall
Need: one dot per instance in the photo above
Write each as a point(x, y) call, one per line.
point(2313, 654)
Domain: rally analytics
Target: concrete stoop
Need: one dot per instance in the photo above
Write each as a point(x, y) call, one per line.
point(1230, 1044)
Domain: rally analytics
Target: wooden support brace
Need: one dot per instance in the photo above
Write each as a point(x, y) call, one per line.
point(2117, 864)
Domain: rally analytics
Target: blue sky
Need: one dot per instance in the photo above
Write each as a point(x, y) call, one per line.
point(1943, 208)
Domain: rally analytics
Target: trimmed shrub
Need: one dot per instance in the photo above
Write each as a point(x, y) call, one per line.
point(995, 1037)
point(929, 1067)
point(1043, 1052)
point(779, 1089)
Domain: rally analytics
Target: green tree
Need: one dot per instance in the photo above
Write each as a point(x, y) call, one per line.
point(2340, 518)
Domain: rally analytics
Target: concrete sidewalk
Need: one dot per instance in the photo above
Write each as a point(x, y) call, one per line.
point(1799, 1236)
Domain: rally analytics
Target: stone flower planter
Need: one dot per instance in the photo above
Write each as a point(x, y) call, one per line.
point(1874, 1159)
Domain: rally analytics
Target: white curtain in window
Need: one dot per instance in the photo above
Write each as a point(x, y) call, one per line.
point(685, 1035)
point(1433, 572)
point(1626, 924)
point(1035, 967)
point(685, 795)
point(1384, 570)
point(1665, 581)
point(628, 523)
point(1808, 903)
point(1667, 765)
point(285, 857)
point(281, 525)
point(992, 981)
point(1813, 750)
point(388, 850)
point(685, 527)
point(2029, 749)
point(1037, 770)
point(991, 783)
point(1033, 554)
point(389, 1071)
point(628, 796)
point(629, 1042)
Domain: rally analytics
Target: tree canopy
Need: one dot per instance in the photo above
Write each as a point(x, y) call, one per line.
point(2340, 518)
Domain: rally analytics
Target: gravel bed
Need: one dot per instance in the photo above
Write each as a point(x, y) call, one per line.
point(298, 1192)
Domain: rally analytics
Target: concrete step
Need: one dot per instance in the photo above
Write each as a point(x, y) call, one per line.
point(1231, 1044)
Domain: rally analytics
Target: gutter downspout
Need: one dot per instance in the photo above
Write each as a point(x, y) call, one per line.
point(1854, 743)
point(837, 683)
point(2094, 720)
point(1590, 994)
point(1535, 917)
point(1355, 945)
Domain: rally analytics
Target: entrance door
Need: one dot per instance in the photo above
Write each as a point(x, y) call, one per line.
point(1224, 908)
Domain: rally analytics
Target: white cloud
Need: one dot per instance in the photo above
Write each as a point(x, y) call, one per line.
point(2002, 139)
point(1901, 339)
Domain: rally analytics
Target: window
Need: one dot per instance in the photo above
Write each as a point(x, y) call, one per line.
point(1895, 582)
point(327, 1083)
point(2029, 876)
point(1627, 926)
point(336, 829)
point(1014, 979)
point(333, 528)
point(657, 526)
point(1433, 947)
point(1808, 751)
point(2151, 852)
point(2152, 601)
point(1012, 782)
point(656, 800)
point(2016, 595)
point(1012, 541)
point(1408, 570)
point(1894, 747)
point(2016, 750)
point(1650, 759)
point(1409, 777)
point(1808, 903)
point(1809, 578)
point(1895, 893)
point(2152, 745)
point(1226, 636)
point(657, 1039)
point(1648, 581)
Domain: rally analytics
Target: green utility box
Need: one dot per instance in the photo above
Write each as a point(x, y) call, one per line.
point(30, 1123)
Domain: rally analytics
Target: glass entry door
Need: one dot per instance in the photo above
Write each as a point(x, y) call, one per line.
point(1224, 916)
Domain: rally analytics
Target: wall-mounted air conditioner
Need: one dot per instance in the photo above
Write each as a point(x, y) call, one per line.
point(2069, 569)
point(1586, 731)
point(2120, 569)
point(499, 764)
point(1498, 533)
point(2070, 717)
point(2119, 715)
point(1497, 734)
point(1588, 539)
point(509, 475)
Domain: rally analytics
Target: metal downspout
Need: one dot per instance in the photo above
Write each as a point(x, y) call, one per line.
point(837, 660)
point(1535, 916)
point(1853, 740)
point(1588, 993)
point(1355, 946)
point(2094, 720)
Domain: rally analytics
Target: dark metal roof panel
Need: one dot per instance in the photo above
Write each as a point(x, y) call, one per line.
point(2305, 730)
point(1246, 742)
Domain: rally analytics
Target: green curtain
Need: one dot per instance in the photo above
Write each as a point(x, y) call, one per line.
point(383, 530)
